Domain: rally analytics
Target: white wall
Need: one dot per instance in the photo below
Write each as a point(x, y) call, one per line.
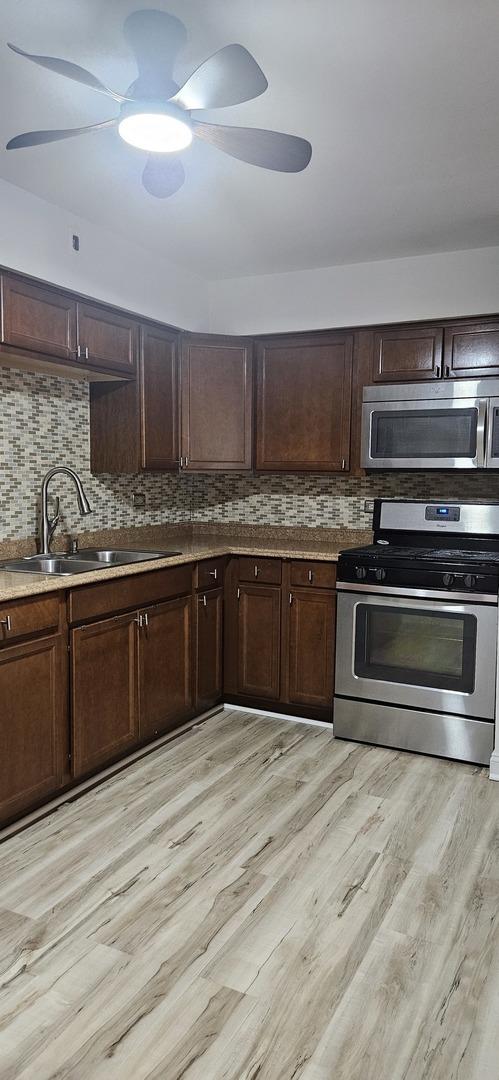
point(35, 237)
point(394, 290)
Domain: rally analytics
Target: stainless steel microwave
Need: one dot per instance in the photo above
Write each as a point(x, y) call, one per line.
point(447, 425)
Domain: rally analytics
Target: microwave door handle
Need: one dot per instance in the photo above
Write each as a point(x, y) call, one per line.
point(481, 432)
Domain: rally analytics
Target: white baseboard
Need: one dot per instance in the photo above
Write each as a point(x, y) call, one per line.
point(494, 765)
point(281, 716)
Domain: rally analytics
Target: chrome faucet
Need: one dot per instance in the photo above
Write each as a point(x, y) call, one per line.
point(48, 525)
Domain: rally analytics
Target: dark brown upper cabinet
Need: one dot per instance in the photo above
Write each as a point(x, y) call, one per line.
point(216, 381)
point(471, 349)
point(38, 319)
point(107, 338)
point(134, 426)
point(407, 354)
point(304, 388)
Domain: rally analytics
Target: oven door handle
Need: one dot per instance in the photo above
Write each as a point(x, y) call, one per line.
point(481, 433)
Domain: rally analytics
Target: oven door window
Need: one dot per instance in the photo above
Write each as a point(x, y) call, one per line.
point(421, 648)
point(424, 433)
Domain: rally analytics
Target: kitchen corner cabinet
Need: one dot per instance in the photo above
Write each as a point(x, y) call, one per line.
point(134, 426)
point(38, 319)
point(216, 403)
point(407, 354)
point(304, 389)
point(34, 745)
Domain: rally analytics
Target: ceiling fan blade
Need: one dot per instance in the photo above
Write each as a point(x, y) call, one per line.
point(155, 39)
point(268, 149)
point(37, 138)
point(228, 77)
point(70, 71)
point(162, 176)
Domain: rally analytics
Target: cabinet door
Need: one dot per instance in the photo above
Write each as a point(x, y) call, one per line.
point(107, 339)
point(304, 403)
point(311, 644)
point(408, 355)
point(165, 684)
point(33, 723)
point(38, 319)
point(208, 664)
point(159, 399)
point(472, 349)
point(216, 378)
point(259, 638)
point(104, 692)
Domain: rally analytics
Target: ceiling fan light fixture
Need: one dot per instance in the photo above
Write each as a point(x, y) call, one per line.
point(157, 129)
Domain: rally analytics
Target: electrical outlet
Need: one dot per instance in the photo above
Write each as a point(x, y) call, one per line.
point(138, 500)
point(369, 506)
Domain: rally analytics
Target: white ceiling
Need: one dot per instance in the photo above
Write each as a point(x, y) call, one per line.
point(398, 97)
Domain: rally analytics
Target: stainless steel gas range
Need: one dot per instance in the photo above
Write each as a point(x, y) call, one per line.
point(417, 630)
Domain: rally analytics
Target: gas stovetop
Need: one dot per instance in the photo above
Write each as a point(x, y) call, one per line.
point(432, 556)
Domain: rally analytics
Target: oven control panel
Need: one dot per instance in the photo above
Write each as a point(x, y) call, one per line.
point(442, 513)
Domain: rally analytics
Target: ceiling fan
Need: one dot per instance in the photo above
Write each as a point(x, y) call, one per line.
point(155, 113)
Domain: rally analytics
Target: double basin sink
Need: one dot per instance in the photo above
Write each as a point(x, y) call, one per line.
point(81, 562)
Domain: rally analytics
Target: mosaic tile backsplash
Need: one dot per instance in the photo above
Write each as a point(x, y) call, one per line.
point(44, 421)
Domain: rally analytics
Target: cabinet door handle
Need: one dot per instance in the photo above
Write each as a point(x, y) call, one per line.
point(202, 600)
point(238, 593)
point(145, 620)
point(256, 570)
point(139, 619)
point(78, 352)
point(7, 622)
point(291, 597)
point(310, 576)
point(343, 464)
point(213, 574)
point(447, 371)
point(87, 354)
point(437, 371)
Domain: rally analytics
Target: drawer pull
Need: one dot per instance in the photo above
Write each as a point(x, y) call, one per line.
point(7, 622)
point(256, 570)
point(310, 576)
point(213, 573)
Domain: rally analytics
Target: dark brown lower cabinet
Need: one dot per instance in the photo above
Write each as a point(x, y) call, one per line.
point(104, 691)
point(33, 723)
point(311, 647)
point(208, 617)
point(164, 667)
point(259, 641)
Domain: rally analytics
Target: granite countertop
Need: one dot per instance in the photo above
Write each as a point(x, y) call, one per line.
point(194, 543)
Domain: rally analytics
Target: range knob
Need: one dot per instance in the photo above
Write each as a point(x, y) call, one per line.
point(360, 573)
point(448, 580)
point(380, 574)
point(470, 581)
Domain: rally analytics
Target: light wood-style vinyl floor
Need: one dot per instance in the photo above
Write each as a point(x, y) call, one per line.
point(257, 902)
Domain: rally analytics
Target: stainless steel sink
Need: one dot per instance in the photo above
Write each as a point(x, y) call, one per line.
point(117, 557)
point(81, 562)
point(59, 565)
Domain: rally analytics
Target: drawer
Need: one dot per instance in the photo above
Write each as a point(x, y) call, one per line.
point(265, 571)
point(209, 574)
point(322, 575)
point(20, 618)
point(92, 601)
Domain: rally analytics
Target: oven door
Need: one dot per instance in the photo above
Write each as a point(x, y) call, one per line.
point(424, 434)
point(425, 654)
